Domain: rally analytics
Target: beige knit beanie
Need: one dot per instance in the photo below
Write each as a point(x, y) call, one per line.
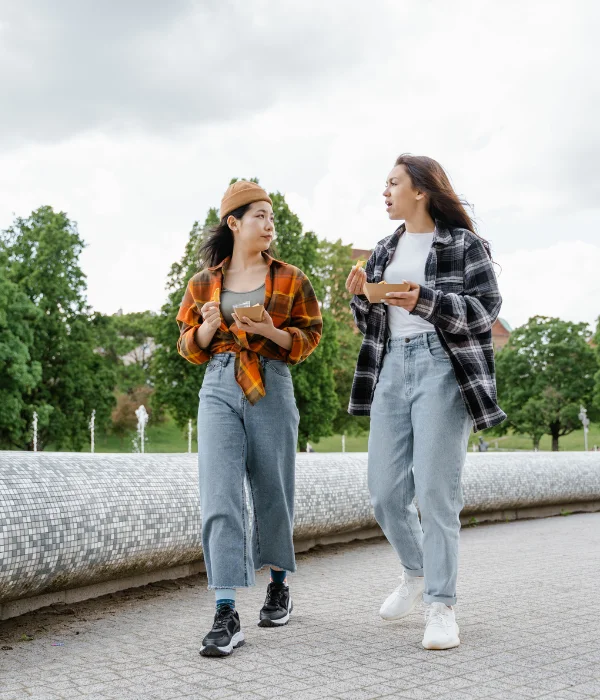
point(240, 193)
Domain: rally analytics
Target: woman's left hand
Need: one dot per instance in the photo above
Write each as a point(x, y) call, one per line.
point(264, 327)
point(406, 300)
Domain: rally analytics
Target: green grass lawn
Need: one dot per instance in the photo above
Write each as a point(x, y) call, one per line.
point(162, 437)
point(571, 442)
point(167, 437)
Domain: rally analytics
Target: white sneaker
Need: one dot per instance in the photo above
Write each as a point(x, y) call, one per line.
point(441, 630)
point(402, 601)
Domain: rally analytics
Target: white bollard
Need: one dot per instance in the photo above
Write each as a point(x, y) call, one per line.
point(586, 425)
point(35, 430)
point(142, 416)
point(92, 426)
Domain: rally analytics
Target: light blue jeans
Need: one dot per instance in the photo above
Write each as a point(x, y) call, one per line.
point(240, 444)
point(418, 443)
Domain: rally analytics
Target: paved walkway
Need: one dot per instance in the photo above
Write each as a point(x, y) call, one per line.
point(529, 615)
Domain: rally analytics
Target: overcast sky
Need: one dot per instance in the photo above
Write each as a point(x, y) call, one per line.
point(133, 116)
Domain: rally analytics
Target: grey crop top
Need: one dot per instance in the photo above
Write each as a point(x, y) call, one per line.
point(229, 299)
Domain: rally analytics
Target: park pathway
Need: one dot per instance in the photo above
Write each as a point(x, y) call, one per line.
point(529, 614)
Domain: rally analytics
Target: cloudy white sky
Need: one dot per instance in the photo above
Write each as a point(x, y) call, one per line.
point(133, 116)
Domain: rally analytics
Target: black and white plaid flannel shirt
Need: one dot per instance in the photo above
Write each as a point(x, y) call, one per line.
point(460, 298)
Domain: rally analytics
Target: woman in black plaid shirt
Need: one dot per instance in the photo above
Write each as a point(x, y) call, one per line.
point(425, 375)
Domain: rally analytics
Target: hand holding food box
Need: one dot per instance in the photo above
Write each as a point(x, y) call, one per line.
point(376, 291)
point(254, 313)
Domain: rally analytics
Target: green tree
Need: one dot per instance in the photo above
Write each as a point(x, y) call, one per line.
point(314, 379)
point(19, 373)
point(545, 372)
point(349, 343)
point(296, 246)
point(42, 254)
point(177, 382)
point(336, 261)
point(314, 387)
point(127, 341)
point(596, 346)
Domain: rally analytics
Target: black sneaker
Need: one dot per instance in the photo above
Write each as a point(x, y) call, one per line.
point(226, 633)
point(278, 606)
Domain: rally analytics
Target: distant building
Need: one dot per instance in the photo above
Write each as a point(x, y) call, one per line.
point(501, 331)
point(359, 254)
point(140, 355)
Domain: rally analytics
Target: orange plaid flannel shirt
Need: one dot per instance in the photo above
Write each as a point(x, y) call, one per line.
point(290, 301)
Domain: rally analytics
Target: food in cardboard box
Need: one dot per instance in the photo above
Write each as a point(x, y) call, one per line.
point(254, 313)
point(376, 291)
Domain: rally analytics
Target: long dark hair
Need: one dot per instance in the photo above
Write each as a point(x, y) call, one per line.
point(219, 243)
point(444, 205)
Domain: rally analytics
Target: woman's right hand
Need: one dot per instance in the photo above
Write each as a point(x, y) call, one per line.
point(356, 280)
point(211, 315)
point(212, 320)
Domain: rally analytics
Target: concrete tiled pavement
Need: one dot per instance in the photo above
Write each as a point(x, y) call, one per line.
point(529, 615)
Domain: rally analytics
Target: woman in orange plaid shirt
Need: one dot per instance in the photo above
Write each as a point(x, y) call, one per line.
point(247, 417)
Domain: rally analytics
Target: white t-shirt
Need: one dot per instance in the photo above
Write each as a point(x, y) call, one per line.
point(408, 263)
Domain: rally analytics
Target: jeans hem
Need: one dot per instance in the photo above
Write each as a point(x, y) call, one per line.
point(413, 573)
point(428, 599)
point(290, 570)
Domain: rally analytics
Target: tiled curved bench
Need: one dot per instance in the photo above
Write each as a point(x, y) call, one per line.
point(73, 520)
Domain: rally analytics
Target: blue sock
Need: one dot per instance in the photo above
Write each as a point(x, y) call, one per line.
point(225, 596)
point(278, 576)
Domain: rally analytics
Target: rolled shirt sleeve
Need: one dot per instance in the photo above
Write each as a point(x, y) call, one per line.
point(306, 323)
point(471, 312)
point(189, 320)
point(359, 304)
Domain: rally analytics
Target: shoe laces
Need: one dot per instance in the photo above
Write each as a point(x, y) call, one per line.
point(438, 614)
point(403, 590)
point(275, 595)
point(223, 614)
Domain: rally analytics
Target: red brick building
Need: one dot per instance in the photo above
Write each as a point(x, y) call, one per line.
point(358, 254)
point(501, 331)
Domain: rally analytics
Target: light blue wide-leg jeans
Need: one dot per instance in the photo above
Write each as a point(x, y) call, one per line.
point(239, 443)
point(418, 443)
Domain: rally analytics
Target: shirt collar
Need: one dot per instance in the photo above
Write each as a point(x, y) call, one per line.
point(441, 236)
point(224, 263)
point(392, 241)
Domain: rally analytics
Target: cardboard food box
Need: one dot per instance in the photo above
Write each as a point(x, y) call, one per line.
point(375, 292)
point(254, 313)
